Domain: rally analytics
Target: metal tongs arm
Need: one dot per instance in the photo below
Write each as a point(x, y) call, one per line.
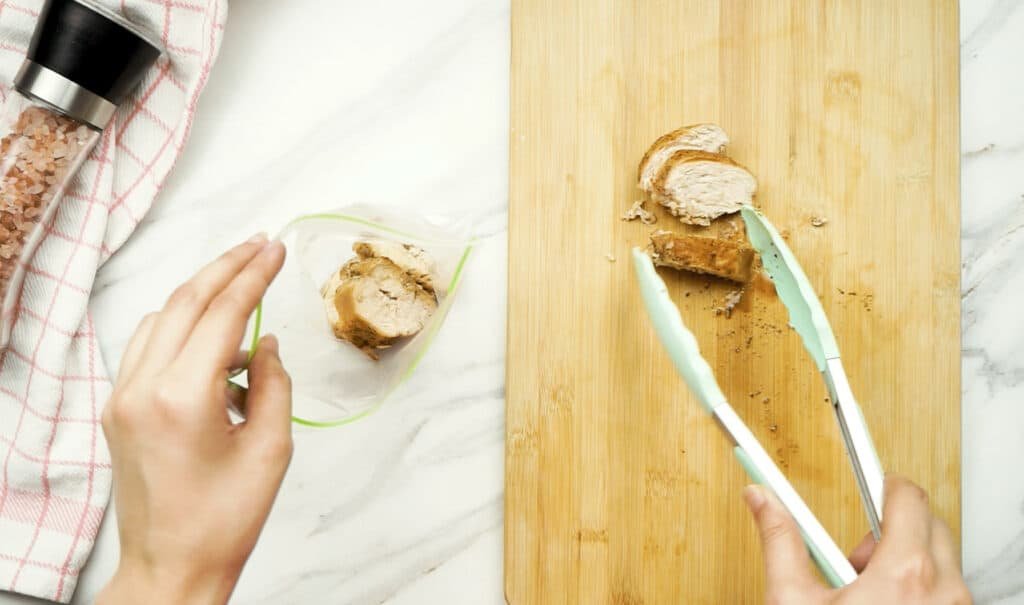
point(860, 449)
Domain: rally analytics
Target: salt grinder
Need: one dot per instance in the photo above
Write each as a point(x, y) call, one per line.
point(82, 62)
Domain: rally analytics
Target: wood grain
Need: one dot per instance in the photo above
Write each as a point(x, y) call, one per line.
point(619, 489)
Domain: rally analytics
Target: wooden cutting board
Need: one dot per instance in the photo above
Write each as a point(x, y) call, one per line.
point(619, 489)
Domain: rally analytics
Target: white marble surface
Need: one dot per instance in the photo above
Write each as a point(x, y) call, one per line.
point(303, 114)
point(992, 126)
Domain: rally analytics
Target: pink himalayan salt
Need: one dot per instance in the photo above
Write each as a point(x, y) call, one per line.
point(35, 156)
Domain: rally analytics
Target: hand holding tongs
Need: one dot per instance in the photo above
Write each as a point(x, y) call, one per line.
point(809, 321)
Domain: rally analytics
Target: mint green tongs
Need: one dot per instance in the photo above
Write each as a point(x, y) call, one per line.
point(810, 322)
point(808, 319)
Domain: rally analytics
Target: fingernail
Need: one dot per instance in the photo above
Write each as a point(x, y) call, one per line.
point(273, 246)
point(259, 238)
point(270, 341)
point(754, 497)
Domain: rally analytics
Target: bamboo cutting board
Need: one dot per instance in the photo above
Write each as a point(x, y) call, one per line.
point(619, 489)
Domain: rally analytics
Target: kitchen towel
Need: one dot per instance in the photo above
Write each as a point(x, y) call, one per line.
point(55, 480)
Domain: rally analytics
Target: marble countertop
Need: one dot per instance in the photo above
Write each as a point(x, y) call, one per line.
point(408, 509)
point(992, 286)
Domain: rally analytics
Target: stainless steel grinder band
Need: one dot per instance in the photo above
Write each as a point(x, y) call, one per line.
point(48, 86)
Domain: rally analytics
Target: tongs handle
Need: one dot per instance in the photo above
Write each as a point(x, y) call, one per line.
point(758, 464)
point(830, 574)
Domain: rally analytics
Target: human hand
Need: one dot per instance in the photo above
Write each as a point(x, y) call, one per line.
point(915, 563)
point(192, 490)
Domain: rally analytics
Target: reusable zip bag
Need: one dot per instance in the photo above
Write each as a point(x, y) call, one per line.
point(334, 383)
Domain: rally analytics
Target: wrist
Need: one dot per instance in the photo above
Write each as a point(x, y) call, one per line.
point(134, 583)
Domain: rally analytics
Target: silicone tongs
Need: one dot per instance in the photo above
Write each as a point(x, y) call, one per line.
point(808, 319)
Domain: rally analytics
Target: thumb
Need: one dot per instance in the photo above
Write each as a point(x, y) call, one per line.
point(786, 561)
point(268, 404)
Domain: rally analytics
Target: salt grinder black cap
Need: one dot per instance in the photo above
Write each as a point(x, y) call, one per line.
point(84, 60)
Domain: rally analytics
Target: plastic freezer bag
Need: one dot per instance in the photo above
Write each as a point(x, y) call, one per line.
point(334, 383)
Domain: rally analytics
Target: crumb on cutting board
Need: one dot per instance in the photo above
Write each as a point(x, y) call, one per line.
point(729, 303)
point(610, 257)
point(818, 221)
point(638, 211)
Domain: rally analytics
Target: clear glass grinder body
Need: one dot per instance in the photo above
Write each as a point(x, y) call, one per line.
point(40, 151)
point(82, 62)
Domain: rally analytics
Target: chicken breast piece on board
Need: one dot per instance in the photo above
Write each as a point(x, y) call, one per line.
point(698, 187)
point(696, 137)
point(728, 259)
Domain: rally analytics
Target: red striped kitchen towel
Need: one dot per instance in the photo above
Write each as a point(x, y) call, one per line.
point(55, 476)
